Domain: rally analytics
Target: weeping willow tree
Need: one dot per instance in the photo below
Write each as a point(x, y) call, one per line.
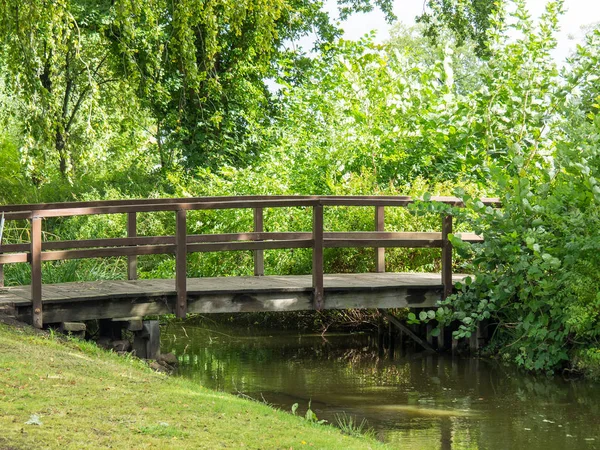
point(190, 73)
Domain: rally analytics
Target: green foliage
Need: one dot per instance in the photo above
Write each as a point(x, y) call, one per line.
point(405, 118)
point(587, 361)
point(350, 426)
point(535, 274)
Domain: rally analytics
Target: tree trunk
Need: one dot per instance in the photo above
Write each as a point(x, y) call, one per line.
point(60, 145)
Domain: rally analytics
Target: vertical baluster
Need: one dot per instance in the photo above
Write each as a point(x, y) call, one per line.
point(446, 256)
point(379, 252)
point(36, 271)
point(132, 259)
point(317, 266)
point(181, 264)
point(1, 265)
point(259, 256)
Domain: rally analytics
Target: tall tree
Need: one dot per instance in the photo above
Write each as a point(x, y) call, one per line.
point(467, 19)
point(58, 65)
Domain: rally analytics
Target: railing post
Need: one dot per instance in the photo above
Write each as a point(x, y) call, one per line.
point(132, 259)
point(446, 256)
point(317, 263)
point(1, 265)
point(379, 252)
point(259, 256)
point(181, 264)
point(36, 271)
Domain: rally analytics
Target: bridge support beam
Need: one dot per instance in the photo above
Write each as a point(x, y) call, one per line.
point(447, 257)
point(404, 329)
point(132, 259)
point(36, 271)
point(317, 266)
point(379, 251)
point(73, 328)
point(259, 255)
point(181, 264)
point(146, 343)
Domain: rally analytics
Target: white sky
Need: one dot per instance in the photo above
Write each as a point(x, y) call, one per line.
point(578, 13)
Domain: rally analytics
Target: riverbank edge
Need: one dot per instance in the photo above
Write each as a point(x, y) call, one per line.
point(68, 393)
point(583, 364)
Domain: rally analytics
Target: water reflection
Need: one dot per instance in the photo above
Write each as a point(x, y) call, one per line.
point(417, 401)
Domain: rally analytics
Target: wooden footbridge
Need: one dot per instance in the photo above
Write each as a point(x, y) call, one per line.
point(68, 302)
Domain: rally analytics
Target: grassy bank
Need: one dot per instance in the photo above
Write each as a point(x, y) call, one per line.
point(86, 397)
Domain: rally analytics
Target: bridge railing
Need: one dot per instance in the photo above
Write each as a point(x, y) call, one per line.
point(36, 251)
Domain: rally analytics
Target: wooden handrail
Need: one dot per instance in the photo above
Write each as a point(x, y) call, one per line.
point(387, 238)
point(225, 199)
point(257, 241)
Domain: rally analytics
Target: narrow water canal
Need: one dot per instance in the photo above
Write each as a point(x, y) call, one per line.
point(413, 401)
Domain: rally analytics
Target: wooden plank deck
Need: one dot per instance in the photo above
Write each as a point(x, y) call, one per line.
point(68, 302)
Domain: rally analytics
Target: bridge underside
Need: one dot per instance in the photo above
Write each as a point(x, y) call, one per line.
point(71, 302)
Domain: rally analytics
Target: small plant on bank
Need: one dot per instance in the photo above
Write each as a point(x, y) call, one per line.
point(352, 427)
point(310, 415)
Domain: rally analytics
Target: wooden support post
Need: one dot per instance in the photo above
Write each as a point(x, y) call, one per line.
point(146, 342)
point(317, 262)
point(474, 340)
point(441, 339)
point(259, 256)
point(1, 274)
point(379, 252)
point(400, 339)
point(392, 341)
point(181, 264)
point(428, 330)
point(446, 257)
point(454, 345)
point(132, 259)
point(152, 327)
point(36, 271)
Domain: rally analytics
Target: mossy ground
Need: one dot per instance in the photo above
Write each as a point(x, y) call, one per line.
point(86, 397)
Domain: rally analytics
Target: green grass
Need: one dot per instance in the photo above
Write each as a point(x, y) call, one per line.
point(86, 397)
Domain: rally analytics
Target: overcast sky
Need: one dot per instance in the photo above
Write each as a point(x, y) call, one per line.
point(578, 13)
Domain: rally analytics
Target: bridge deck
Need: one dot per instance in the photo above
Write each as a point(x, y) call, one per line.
point(111, 299)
